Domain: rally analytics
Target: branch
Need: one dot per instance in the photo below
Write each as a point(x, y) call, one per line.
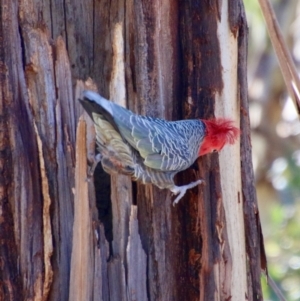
point(286, 63)
point(276, 289)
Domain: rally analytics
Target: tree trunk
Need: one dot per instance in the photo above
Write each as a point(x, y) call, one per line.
point(65, 238)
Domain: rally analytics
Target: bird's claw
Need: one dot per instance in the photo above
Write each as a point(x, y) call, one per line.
point(94, 164)
point(182, 190)
point(182, 193)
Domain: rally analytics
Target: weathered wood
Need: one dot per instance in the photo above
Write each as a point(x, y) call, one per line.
point(210, 262)
point(227, 105)
point(256, 257)
point(47, 231)
point(136, 261)
point(81, 279)
point(21, 197)
point(63, 213)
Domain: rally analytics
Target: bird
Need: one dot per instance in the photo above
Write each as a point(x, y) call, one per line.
point(153, 150)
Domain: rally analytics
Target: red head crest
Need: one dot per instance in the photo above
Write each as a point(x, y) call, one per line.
point(218, 132)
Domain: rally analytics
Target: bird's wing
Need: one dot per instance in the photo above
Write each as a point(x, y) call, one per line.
point(160, 143)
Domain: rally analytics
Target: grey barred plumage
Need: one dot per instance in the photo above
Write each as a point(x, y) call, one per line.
point(165, 146)
point(150, 150)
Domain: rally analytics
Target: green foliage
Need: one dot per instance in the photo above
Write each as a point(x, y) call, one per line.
point(253, 11)
point(282, 235)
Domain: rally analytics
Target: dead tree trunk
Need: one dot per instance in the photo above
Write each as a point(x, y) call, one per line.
point(63, 238)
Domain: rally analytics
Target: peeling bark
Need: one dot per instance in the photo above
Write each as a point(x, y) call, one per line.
point(256, 257)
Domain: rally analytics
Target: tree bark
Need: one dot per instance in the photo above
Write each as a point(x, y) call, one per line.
point(63, 238)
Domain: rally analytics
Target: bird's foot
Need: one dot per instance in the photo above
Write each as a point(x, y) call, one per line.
point(94, 164)
point(182, 190)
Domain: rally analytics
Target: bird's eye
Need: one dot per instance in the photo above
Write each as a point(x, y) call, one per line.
point(214, 151)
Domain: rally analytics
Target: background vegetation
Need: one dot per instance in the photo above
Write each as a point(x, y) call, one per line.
point(276, 153)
